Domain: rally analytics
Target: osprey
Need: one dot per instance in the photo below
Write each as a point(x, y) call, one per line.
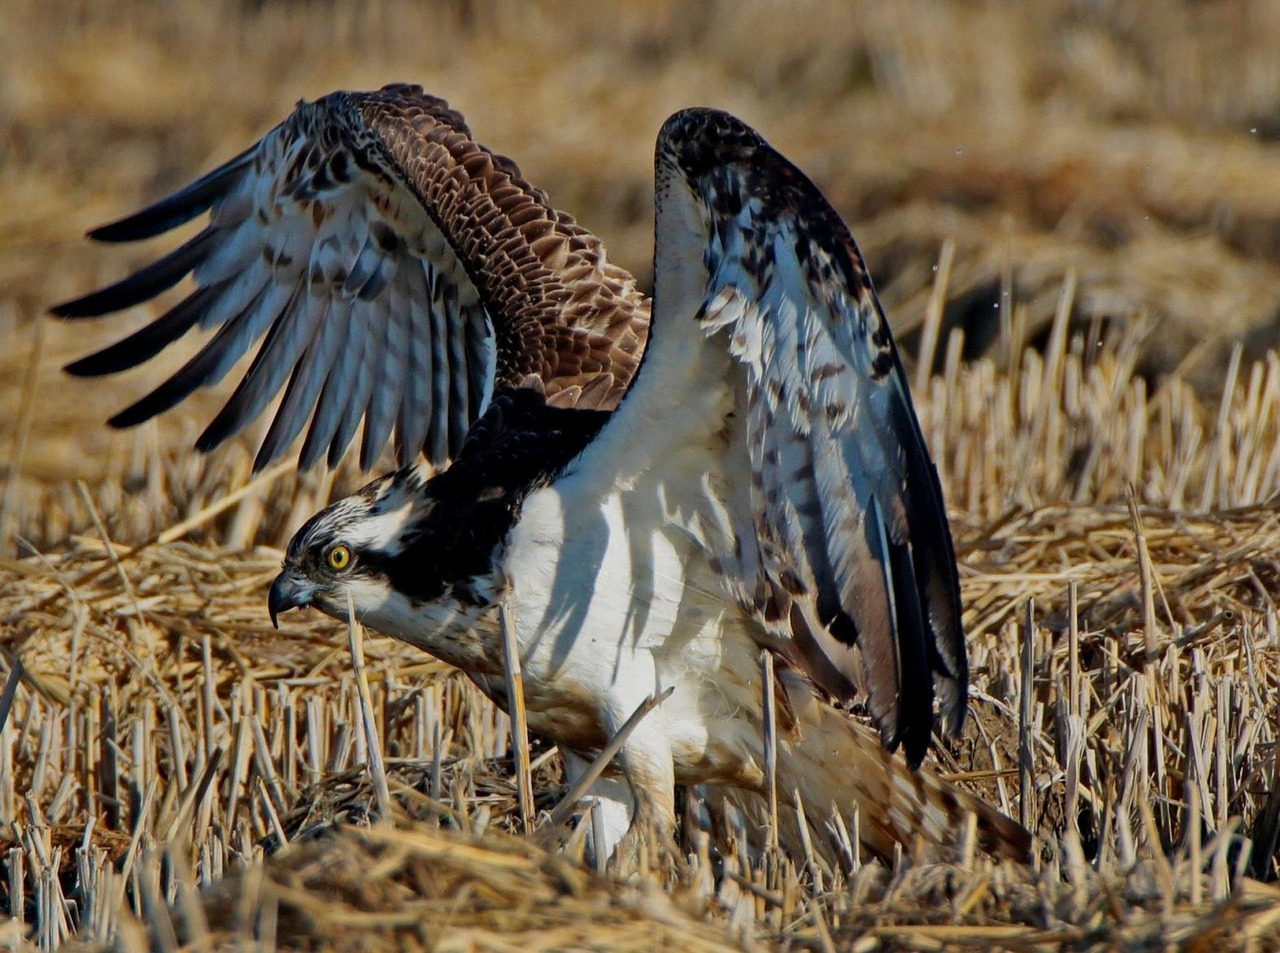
point(756, 482)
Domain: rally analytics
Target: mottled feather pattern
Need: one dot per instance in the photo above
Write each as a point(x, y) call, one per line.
point(392, 272)
point(855, 572)
point(549, 276)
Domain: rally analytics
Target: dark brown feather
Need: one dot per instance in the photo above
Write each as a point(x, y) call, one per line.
point(502, 227)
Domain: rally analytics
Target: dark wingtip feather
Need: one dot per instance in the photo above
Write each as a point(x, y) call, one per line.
point(66, 309)
point(265, 457)
point(213, 435)
point(274, 444)
point(258, 385)
point(143, 285)
point(110, 360)
point(937, 580)
point(313, 448)
point(177, 209)
point(131, 416)
point(140, 411)
point(908, 722)
point(168, 395)
point(146, 342)
point(372, 442)
point(195, 373)
point(915, 718)
point(337, 447)
point(230, 420)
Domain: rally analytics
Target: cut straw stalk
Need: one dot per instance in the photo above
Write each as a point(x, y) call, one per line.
point(377, 770)
point(932, 326)
point(1026, 753)
point(519, 718)
point(1150, 637)
point(770, 705)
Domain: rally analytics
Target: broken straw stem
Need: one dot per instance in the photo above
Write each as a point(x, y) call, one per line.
point(377, 770)
point(519, 719)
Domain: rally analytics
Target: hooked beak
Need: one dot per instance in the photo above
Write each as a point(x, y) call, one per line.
point(287, 592)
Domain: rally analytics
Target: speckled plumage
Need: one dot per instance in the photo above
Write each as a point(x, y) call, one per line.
point(842, 548)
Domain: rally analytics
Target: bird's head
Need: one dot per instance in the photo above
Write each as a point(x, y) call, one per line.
point(351, 548)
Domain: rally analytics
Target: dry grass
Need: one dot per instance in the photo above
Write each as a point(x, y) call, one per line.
point(1107, 185)
point(162, 735)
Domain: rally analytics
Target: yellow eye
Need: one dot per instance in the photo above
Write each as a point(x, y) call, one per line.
point(339, 557)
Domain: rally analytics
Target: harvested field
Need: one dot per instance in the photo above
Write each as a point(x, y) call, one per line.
point(1072, 214)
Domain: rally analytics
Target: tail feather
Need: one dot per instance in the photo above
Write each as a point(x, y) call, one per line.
point(835, 763)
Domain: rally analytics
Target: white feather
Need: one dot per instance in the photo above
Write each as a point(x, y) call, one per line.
point(381, 529)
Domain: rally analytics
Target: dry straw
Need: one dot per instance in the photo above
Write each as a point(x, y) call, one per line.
point(161, 737)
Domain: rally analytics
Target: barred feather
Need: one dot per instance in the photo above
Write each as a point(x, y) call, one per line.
point(344, 226)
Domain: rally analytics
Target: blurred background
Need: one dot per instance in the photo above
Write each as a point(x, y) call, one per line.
point(1132, 147)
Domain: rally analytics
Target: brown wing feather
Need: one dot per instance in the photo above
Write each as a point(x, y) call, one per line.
point(574, 320)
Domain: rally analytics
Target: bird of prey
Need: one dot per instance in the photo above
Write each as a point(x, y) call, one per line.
point(652, 517)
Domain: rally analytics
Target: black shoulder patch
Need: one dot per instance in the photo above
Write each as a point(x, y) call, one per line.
point(517, 446)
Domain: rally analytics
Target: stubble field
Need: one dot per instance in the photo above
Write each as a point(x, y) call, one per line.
point(1072, 210)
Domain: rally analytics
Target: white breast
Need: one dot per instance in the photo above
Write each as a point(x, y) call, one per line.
point(615, 598)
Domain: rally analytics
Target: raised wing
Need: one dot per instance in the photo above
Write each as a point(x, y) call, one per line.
point(846, 554)
point(395, 272)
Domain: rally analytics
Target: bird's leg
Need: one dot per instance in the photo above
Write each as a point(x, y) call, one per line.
point(649, 766)
point(612, 798)
point(650, 841)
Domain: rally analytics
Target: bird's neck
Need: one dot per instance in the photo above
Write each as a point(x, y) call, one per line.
point(459, 626)
point(456, 543)
point(446, 576)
